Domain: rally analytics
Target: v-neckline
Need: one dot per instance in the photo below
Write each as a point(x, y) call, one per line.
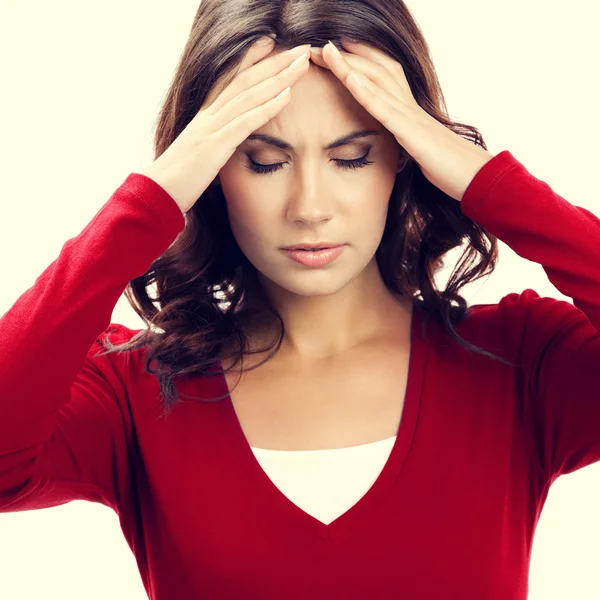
point(348, 521)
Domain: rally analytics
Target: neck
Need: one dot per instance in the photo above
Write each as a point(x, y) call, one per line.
point(321, 327)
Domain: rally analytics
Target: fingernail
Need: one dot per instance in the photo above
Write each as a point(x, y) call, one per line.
point(264, 41)
point(300, 50)
point(334, 48)
point(318, 51)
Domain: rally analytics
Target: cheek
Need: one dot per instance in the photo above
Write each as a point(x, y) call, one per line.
point(249, 221)
point(371, 216)
point(375, 218)
point(245, 204)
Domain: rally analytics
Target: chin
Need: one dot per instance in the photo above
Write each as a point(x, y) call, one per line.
point(313, 283)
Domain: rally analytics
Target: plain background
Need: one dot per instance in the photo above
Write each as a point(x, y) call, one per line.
point(81, 87)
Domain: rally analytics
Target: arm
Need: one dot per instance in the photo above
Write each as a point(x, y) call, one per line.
point(57, 399)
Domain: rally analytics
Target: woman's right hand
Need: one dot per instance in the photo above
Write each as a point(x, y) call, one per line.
point(255, 95)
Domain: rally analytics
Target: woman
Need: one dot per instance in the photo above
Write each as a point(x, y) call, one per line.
point(360, 454)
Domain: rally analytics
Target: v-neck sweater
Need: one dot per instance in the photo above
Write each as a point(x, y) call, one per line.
point(453, 504)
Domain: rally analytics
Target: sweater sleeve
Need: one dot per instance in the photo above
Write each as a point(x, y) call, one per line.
point(63, 433)
point(558, 343)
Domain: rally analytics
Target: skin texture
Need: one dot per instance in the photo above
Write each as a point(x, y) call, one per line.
point(329, 310)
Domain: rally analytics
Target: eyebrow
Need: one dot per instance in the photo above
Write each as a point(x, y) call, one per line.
point(342, 141)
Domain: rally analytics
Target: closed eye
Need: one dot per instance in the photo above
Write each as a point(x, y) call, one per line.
point(356, 163)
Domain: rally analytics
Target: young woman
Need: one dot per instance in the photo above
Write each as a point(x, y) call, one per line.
point(380, 439)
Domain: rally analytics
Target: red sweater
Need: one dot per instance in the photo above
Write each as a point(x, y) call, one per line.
point(451, 515)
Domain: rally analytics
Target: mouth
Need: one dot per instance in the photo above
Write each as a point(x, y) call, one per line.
point(314, 247)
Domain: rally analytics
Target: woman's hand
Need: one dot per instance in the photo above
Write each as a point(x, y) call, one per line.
point(447, 160)
point(256, 94)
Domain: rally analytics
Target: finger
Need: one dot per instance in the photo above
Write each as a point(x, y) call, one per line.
point(376, 100)
point(378, 104)
point(317, 58)
point(374, 71)
point(381, 58)
point(381, 109)
point(255, 67)
point(389, 98)
point(223, 90)
point(237, 130)
point(259, 71)
point(254, 54)
point(369, 91)
point(261, 93)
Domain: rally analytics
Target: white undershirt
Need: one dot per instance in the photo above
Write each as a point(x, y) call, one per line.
point(325, 483)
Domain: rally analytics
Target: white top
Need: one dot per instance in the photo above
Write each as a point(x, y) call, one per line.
point(325, 483)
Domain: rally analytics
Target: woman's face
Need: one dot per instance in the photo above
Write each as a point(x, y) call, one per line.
point(310, 197)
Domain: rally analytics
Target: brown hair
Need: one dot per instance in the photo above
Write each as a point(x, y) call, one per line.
point(203, 279)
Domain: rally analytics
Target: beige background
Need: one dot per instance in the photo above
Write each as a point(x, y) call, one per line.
point(81, 86)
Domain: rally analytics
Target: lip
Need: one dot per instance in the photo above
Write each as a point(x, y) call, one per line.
point(317, 258)
point(318, 245)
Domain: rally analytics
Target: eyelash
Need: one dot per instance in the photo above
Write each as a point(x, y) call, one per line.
point(357, 163)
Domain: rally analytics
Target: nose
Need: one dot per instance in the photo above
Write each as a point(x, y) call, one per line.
point(310, 201)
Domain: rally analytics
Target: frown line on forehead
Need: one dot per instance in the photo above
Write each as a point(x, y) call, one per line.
point(342, 141)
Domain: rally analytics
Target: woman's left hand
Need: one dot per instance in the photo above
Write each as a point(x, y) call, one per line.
point(447, 160)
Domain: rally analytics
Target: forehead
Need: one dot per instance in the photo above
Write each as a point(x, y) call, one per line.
point(321, 108)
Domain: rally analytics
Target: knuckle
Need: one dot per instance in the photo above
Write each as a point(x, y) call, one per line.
point(380, 73)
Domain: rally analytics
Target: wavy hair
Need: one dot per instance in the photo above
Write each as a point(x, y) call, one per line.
point(204, 282)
